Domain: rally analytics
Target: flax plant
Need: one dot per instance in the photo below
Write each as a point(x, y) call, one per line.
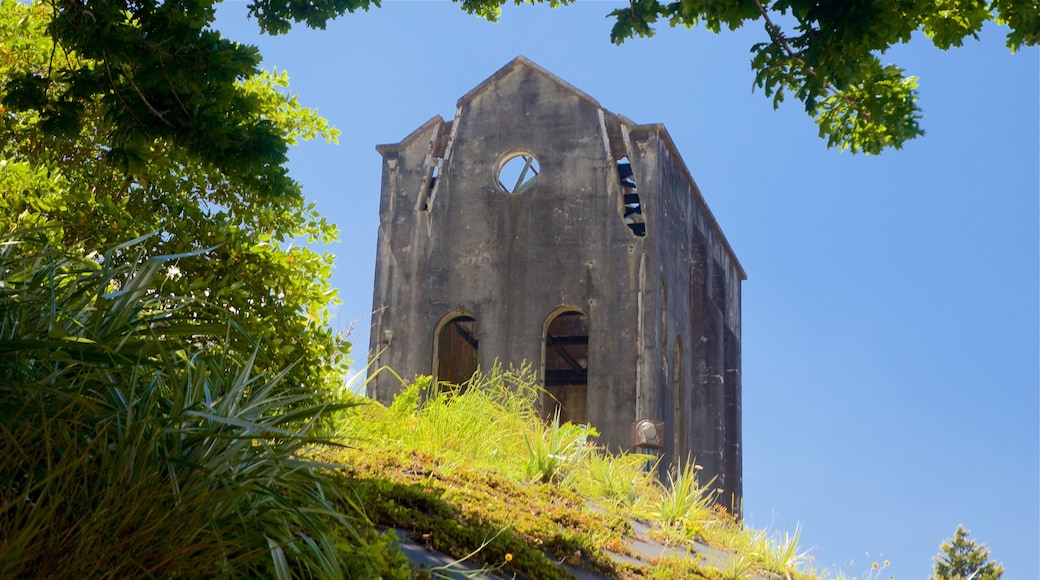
point(784, 556)
point(621, 483)
point(135, 445)
point(685, 501)
point(552, 452)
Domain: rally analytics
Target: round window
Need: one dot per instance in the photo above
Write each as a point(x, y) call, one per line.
point(518, 173)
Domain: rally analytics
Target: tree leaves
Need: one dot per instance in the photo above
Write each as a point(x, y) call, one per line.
point(213, 178)
point(277, 17)
point(957, 20)
point(830, 58)
point(1022, 17)
point(963, 559)
point(163, 72)
point(878, 113)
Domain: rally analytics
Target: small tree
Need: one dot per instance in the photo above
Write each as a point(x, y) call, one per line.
point(962, 559)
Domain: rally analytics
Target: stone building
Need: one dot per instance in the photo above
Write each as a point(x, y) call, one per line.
point(539, 226)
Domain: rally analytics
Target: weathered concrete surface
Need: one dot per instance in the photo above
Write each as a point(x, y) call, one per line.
point(468, 273)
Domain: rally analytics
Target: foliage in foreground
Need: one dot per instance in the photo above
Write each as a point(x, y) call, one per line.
point(128, 450)
point(90, 178)
point(475, 472)
point(168, 74)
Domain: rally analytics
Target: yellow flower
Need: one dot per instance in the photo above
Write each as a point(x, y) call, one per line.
point(874, 566)
point(509, 557)
point(886, 563)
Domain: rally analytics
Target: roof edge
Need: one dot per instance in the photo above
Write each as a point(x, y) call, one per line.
point(385, 148)
point(662, 132)
point(523, 61)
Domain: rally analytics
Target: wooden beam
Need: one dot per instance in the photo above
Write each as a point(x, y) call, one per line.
point(566, 377)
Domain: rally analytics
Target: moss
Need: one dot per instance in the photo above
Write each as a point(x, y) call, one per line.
point(431, 521)
point(451, 476)
point(463, 511)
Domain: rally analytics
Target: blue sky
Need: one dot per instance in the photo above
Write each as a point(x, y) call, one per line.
point(891, 309)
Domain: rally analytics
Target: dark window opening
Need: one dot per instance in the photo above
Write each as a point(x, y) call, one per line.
point(518, 173)
point(566, 368)
point(429, 183)
point(632, 208)
point(733, 463)
point(457, 345)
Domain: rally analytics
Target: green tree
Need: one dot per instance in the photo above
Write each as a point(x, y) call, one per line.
point(963, 559)
point(162, 71)
point(72, 159)
point(827, 54)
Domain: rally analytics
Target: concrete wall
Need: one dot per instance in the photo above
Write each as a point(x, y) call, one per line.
point(663, 310)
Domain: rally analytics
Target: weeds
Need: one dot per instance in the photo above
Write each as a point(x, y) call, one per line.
point(553, 451)
point(618, 482)
point(784, 556)
point(685, 501)
point(135, 443)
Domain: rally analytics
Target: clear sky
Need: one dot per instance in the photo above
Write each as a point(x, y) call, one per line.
point(890, 338)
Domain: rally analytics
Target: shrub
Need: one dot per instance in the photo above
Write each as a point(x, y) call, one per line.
point(134, 445)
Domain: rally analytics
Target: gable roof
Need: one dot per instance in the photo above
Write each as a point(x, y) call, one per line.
point(522, 62)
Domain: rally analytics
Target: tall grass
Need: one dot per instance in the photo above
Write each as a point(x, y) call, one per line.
point(483, 428)
point(622, 483)
point(132, 444)
point(685, 501)
point(553, 451)
point(494, 425)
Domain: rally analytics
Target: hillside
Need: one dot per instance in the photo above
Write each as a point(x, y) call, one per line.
point(136, 441)
point(476, 476)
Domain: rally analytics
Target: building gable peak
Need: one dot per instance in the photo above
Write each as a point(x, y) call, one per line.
point(521, 63)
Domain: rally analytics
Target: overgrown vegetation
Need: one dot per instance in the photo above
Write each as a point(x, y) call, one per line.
point(167, 404)
point(168, 74)
point(134, 444)
point(76, 176)
point(475, 469)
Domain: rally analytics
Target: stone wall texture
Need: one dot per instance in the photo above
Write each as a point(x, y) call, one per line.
point(605, 269)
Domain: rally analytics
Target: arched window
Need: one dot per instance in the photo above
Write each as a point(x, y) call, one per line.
point(566, 362)
point(455, 349)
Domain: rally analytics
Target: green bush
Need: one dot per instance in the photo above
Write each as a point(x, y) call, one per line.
point(134, 445)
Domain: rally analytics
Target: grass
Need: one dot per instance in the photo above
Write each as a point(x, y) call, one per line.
point(476, 473)
point(553, 451)
point(684, 502)
point(136, 443)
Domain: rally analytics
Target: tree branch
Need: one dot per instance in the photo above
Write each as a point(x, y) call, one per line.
point(130, 79)
point(781, 40)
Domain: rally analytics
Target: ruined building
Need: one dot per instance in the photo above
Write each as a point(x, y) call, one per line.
point(539, 226)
